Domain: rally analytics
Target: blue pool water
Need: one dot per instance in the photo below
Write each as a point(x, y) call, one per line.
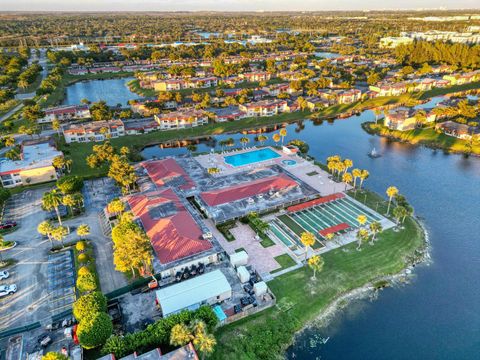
point(251, 157)
point(289, 162)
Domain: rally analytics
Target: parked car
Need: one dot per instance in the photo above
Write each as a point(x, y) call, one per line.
point(8, 290)
point(7, 225)
point(4, 274)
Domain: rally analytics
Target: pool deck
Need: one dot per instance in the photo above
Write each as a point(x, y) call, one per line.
point(218, 160)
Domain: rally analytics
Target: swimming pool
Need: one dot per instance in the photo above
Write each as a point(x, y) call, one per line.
point(251, 157)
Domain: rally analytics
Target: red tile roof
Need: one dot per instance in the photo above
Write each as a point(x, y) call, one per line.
point(174, 237)
point(163, 171)
point(334, 229)
point(242, 191)
point(322, 200)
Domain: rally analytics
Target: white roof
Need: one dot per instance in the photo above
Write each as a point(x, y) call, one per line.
point(33, 156)
point(238, 257)
point(192, 292)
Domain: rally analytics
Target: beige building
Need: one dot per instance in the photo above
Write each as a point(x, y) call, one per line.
point(33, 167)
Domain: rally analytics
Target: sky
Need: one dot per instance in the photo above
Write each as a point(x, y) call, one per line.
point(230, 5)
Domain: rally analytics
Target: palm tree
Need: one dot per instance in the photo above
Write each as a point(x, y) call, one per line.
point(364, 174)
point(375, 228)
point(180, 335)
point(276, 138)
point(244, 141)
point(213, 170)
point(348, 164)
point(362, 220)
point(347, 178)
point(362, 236)
point(356, 173)
point(69, 202)
point(391, 192)
point(307, 239)
point(68, 164)
point(59, 233)
point(377, 112)
point(52, 200)
point(316, 264)
point(45, 228)
point(205, 343)
point(283, 133)
point(400, 212)
point(262, 139)
point(83, 230)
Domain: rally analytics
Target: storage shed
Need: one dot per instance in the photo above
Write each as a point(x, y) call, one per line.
point(243, 274)
point(260, 288)
point(209, 288)
point(239, 258)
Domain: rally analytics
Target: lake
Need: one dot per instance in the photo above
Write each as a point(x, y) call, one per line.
point(435, 317)
point(113, 91)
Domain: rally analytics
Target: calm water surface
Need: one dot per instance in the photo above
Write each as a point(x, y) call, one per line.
point(438, 315)
point(113, 91)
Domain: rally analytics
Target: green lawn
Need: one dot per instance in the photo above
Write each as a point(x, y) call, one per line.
point(134, 85)
point(285, 262)
point(300, 299)
point(267, 242)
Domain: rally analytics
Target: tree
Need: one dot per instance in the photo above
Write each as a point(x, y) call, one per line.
point(391, 192)
point(8, 141)
point(203, 342)
point(244, 141)
point(180, 335)
point(400, 212)
point(69, 184)
point(362, 236)
point(87, 305)
point(116, 206)
point(132, 250)
point(307, 239)
point(316, 264)
point(86, 282)
point(54, 356)
point(69, 202)
point(59, 233)
point(122, 172)
point(347, 178)
point(100, 111)
point(45, 228)
point(364, 174)
point(262, 139)
point(356, 173)
point(361, 219)
point(213, 170)
point(283, 133)
point(58, 162)
point(52, 200)
point(83, 230)
point(94, 331)
point(348, 164)
point(56, 126)
point(32, 113)
point(375, 228)
point(276, 137)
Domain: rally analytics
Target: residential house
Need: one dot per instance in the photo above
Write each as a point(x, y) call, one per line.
point(93, 131)
point(314, 103)
point(461, 131)
point(349, 96)
point(229, 113)
point(63, 113)
point(142, 126)
point(264, 108)
point(181, 119)
point(256, 76)
point(400, 119)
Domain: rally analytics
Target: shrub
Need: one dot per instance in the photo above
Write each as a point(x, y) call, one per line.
point(86, 283)
point(83, 271)
point(54, 356)
point(83, 258)
point(94, 331)
point(157, 334)
point(81, 246)
point(88, 305)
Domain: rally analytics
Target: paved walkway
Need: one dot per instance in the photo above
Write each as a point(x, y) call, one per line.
point(261, 258)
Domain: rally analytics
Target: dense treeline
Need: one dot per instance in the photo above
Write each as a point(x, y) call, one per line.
point(460, 55)
point(49, 29)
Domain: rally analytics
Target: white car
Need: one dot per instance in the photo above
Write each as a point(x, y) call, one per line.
point(4, 274)
point(8, 289)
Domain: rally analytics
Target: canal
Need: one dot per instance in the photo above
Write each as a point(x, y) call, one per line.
point(436, 316)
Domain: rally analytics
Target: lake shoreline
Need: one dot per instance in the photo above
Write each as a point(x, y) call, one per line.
point(434, 145)
point(370, 290)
